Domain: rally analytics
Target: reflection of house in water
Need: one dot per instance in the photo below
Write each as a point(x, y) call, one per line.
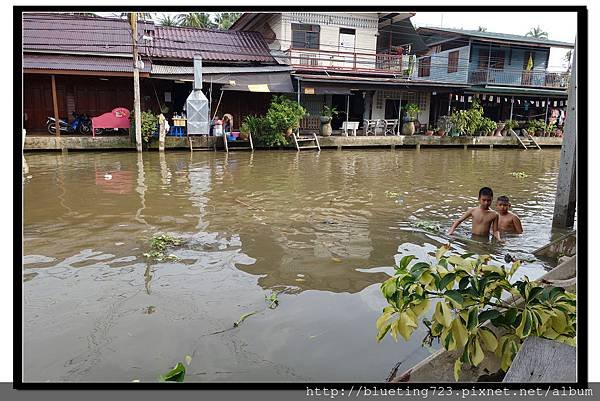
point(116, 182)
point(293, 245)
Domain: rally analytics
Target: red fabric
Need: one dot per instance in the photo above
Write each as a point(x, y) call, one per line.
point(117, 118)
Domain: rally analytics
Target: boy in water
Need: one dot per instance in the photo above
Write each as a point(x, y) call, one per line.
point(507, 222)
point(482, 217)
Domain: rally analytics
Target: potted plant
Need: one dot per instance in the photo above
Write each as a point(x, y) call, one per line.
point(149, 126)
point(284, 115)
point(327, 115)
point(536, 127)
point(412, 111)
point(487, 126)
point(509, 125)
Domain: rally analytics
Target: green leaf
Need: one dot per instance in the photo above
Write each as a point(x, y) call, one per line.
point(419, 268)
point(441, 251)
point(457, 368)
point(383, 319)
point(477, 354)
point(177, 374)
point(388, 288)
point(443, 314)
point(488, 314)
point(457, 261)
point(463, 283)
point(524, 328)
point(459, 332)
point(406, 326)
point(449, 341)
point(421, 307)
point(489, 339)
point(455, 297)
point(405, 261)
point(382, 332)
point(473, 320)
point(467, 255)
point(534, 292)
point(447, 279)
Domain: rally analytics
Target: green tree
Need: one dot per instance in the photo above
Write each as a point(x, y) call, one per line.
point(537, 32)
point(225, 20)
point(196, 20)
point(167, 20)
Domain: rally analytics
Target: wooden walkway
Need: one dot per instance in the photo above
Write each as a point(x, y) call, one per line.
point(543, 361)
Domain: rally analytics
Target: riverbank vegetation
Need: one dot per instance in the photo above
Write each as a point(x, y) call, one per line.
point(477, 308)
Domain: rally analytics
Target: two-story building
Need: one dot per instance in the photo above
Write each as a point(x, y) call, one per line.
point(361, 63)
point(508, 74)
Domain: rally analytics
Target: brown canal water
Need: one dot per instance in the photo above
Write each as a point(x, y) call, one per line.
point(322, 229)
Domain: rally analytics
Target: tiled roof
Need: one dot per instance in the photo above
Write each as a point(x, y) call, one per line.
point(213, 45)
point(505, 37)
point(80, 63)
point(70, 33)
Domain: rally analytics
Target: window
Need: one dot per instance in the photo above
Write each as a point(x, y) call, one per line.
point(453, 61)
point(425, 67)
point(305, 36)
point(495, 59)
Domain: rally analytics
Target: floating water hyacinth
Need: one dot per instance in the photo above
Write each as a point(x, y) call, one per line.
point(427, 225)
point(519, 174)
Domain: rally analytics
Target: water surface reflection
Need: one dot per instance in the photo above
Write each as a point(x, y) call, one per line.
point(322, 228)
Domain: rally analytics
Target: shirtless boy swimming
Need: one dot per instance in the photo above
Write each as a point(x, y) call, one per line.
point(482, 217)
point(507, 222)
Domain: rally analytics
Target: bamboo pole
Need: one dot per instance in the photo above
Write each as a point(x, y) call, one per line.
point(55, 106)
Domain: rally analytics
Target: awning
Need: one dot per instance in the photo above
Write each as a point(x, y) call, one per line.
point(249, 79)
point(311, 88)
point(278, 82)
point(519, 91)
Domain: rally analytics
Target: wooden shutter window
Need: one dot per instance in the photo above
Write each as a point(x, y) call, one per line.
point(453, 61)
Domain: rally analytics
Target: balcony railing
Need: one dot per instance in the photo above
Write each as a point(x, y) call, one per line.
point(318, 59)
point(519, 78)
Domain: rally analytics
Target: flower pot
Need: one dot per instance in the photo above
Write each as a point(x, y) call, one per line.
point(429, 133)
point(441, 132)
point(408, 128)
point(499, 129)
point(325, 119)
point(326, 129)
point(243, 136)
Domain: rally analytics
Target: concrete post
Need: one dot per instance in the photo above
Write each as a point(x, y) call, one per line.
point(136, 85)
point(566, 195)
point(161, 132)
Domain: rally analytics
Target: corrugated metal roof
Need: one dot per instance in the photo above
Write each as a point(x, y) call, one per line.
point(212, 45)
point(507, 37)
point(80, 63)
point(61, 32)
point(159, 69)
point(64, 32)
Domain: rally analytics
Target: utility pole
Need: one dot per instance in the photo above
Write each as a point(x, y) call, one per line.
point(566, 188)
point(136, 84)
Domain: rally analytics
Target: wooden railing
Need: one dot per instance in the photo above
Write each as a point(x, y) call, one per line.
point(318, 59)
point(519, 78)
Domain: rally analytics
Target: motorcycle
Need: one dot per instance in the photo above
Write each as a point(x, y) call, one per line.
point(81, 124)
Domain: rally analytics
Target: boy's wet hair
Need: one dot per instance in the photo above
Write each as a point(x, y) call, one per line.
point(486, 191)
point(503, 199)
